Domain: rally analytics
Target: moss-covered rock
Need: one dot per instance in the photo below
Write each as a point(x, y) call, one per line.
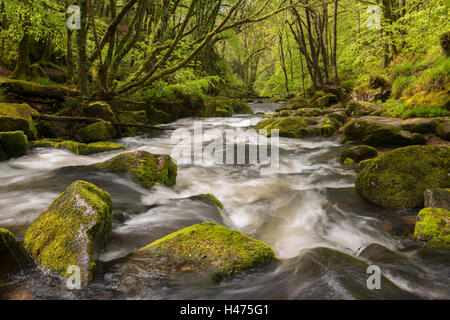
point(359, 153)
point(7, 241)
point(203, 249)
point(226, 106)
point(443, 130)
point(433, 226)
point(101, 110)
point(377, 133)
point(209, 197)
point(363, 164)
point(148, 169)
point(72, 230)
point(132, 117)
point(327, 130)
point(398, 179)
point(350, 163)
point(99, 131)
point(77, 148)
point(98, 147)
point(13, 144)
point(437, 198)
point(15, 117)
point(70, 145)
point(290, 127)
point(359, 109)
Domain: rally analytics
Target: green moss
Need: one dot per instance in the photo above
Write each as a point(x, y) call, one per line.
point(210, 247)
point(290, 127)
point(376, 133)
point(399, 178)
point(327, 130)
point(14, 144)
point(72, 146)
point(232, 105)
point(132, 117)
point(443, 130)
point(97, 147)
point(100, 109)
point(149, 169)
point(350, 163)
point(433, 225)
point(67, 232)
point(99, 131)
point(7, 240)
point(15, 117)
point(211, 197)
point(223, 113)
point(359, 153)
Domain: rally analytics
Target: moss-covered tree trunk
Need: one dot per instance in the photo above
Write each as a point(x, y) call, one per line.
point(81, 42)
point(23, 70)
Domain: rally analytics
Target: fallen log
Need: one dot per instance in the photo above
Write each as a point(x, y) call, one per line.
point(33, 89)
point(46, 117)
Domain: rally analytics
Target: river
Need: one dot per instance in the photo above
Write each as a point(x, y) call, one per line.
point(307, 211)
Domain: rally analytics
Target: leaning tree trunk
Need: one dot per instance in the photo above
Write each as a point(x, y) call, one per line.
point(23, 70)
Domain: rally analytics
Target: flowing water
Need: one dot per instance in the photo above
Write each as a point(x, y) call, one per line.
point(307, 211)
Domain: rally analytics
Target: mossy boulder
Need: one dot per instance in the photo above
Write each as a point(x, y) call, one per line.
point(70, 145)
point(323, 100)
point(359, 109)
point(359, 153)
point(350, 163)
point(13, 144)
point(209, 197)
point(33, 89)
point(101, 110)
point(437, 198)
point(205, 249)
point(72, 230)
point(399, 178)
point(433, 226)
point(443, 130)
point(290, 127)
point(226, 106)
point(77, 148)
point(7, 241)
point(14, 117)
point(327, 130)
point(148, 169)
point(98, 147)
point(377, 133)
point(99, 131)
point(132, 117)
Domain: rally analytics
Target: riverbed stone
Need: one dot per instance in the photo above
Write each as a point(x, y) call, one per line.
point(375, 133)
point(437, 198)
point(18, 117)
point(99, 131)
point(205, 250)
point(359, 153)
point(146, 168)
point(72, 230)
point(13, 144)
point(399, 178)
point(433, 226)
point(210, 198)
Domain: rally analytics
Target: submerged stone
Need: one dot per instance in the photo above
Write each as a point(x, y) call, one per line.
point(148, 169)
point(14, 117)
point(72, 230)
point(433, 226)
point(398, 179)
